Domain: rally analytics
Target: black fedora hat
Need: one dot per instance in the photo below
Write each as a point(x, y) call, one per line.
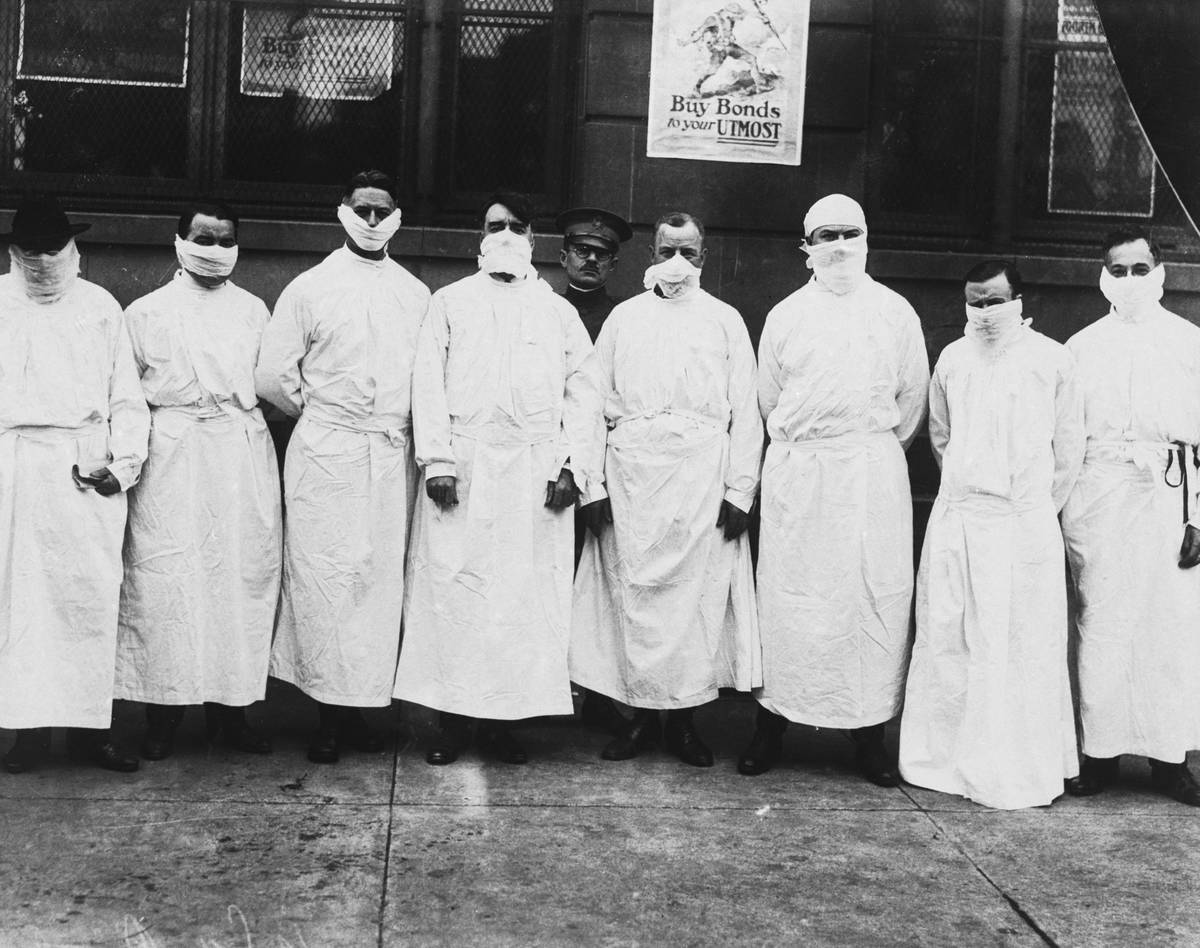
point(40, 221)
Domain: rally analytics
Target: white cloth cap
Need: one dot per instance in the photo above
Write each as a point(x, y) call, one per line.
point(834, 209)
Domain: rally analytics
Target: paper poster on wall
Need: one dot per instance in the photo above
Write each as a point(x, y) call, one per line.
point(328, 54)
point(144, 43)
point(1100, 161)
point(727, 80)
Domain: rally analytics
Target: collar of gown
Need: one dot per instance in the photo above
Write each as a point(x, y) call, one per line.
point(1142, 316)
point(185, 281)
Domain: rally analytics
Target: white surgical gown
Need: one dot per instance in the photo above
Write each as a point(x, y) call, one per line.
point(203, 545)
point(1139, 648)
point(339, 352)
point(842, 384)
point(69, 395)
point(664, 605)
point(987, 712)
point(502, 398)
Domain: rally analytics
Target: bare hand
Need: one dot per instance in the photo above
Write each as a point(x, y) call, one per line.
point(734, 521)
point(443, 491)
point(597, 515)
point(561, 494)
point(1189, 552)
point(102, 480)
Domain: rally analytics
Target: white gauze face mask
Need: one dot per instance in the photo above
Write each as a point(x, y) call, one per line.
point(1131, 294)
point(365, 236)
point(45, 277)
point(995, 325)
point(205, 260)
point(506, 252)
point(675, 277)
point(840, 265)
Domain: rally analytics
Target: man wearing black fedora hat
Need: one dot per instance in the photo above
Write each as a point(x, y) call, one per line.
point(73, 431)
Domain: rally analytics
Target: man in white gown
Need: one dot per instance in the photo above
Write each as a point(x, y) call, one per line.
point(202, 553)
point(843, 378)
point(339, 352)
point(664, 600)
point(987, 711)
point(503, 407)
point(73, 429)
point(1132, 527)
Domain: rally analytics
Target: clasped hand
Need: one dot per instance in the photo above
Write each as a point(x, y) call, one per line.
point(560, 494)
point(102, 481)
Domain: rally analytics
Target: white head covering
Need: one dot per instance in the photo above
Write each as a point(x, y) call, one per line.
point(835, 209)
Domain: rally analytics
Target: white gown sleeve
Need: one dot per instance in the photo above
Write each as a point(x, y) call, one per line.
point(745, 423)
point(581, 402)
point(1070, 435)
point(939, 416)
point(770, 375)
point(430, 409)
point(912, 394)
point(284, 344)
point(128, 414)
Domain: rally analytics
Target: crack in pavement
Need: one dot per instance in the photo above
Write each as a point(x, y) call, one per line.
point(1023, 914)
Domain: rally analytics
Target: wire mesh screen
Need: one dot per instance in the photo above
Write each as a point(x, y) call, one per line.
point(500, 108)
point(1099, 160)
point(101, 88)
point(314, 93)
point(938, 66)
point(945, 18)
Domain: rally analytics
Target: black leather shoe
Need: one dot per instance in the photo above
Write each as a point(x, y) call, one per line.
point(97, 747)
point(354, 732)
point(766, 745)
point(498, 741)
point(452, 736)
point(1175, 781)
point(598, 711)
point(1095, 775)
point(324, 749)
point(642, 732)
point(158, 743)
point(681, 739)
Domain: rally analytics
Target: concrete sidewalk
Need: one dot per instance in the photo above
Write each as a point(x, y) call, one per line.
point(215, 848)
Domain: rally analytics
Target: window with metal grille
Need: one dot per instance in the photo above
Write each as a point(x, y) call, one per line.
point(1085, 163)
point(1004, 123)
point(272, 103)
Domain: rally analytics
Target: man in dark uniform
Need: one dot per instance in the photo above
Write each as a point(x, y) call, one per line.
point(591, 241)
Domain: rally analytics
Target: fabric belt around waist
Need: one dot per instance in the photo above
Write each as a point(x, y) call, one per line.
point(206, 412)
point(397, 437)
point(54, 434)
point(1149, 456)
point(703, 420)
point(849, 439)
point(506, 437)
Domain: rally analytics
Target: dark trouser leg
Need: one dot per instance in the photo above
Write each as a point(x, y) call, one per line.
point(453, 735)
point(1175, 781)
point(497, 737)
point(30, 745)
point(161, 722)
point(766, 745)
point(636, 736)
point(324, 748)
point(872, 757)
point(231, 722)
point(681, 739)
point(1095, 774)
